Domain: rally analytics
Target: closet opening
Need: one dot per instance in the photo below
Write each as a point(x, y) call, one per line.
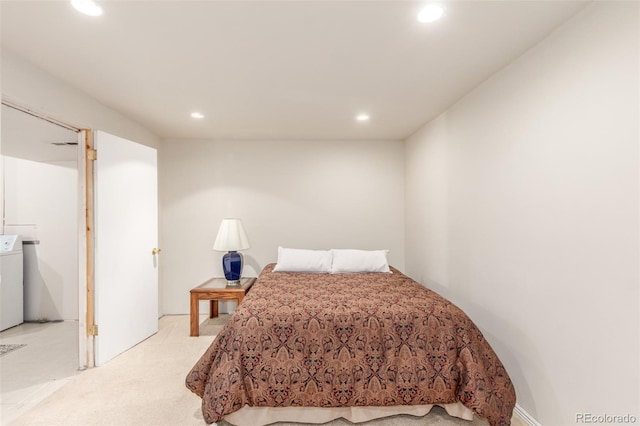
point(42, 194)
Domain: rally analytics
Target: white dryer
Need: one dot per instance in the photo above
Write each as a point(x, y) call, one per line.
point(11, 282)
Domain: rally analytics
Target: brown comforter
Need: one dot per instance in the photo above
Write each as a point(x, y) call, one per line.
point(331, 340)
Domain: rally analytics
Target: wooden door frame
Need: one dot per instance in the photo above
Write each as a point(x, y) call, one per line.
point(86, 261)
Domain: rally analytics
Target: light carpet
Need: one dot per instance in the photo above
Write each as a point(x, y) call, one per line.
point(145, 386)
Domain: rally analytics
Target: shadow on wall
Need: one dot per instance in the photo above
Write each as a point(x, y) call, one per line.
point(40, 293)
point(251, 267)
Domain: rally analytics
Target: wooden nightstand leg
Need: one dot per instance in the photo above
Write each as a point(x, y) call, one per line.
point(195, 315)
point(213, 309)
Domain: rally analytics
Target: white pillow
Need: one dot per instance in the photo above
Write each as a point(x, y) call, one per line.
point(348, 260)
point(300, 260)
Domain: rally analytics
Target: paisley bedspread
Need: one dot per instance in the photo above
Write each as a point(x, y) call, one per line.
point(331, 340)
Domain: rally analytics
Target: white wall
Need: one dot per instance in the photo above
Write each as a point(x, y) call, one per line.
point(41, 201)
point(522, 207)
point(300, 194)
point(30, 86)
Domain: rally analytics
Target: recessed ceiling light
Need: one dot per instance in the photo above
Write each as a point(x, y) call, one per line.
point(363, 117)
point(87, 7)
point(430, 13)
point(197, 115)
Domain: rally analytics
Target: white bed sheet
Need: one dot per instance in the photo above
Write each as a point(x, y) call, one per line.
point(260, 416)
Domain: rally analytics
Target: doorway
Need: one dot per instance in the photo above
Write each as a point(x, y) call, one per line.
point(40, 175)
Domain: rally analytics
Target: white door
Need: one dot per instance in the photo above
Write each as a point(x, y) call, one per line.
point(126, 232)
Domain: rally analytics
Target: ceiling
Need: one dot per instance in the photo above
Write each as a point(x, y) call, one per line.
point(277, 69)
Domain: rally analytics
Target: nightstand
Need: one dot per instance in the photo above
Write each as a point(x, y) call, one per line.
point(215, 289)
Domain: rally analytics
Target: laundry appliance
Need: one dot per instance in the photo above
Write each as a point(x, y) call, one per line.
point(11, 281)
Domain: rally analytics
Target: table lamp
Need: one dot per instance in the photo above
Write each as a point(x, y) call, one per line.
point(231, 238)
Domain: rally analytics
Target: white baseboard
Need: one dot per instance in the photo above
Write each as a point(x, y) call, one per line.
point(528, 419)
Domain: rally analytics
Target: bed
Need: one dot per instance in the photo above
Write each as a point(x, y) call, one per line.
point(313, 347)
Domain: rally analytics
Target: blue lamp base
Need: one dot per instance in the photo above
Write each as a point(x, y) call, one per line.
point(232, 266)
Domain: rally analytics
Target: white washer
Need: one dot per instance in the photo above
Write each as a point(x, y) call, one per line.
point(11, 282)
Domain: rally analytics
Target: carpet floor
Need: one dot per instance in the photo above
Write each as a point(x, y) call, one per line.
point(145, 386)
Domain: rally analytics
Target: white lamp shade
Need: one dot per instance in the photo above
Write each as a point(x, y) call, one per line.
point(231, 236)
